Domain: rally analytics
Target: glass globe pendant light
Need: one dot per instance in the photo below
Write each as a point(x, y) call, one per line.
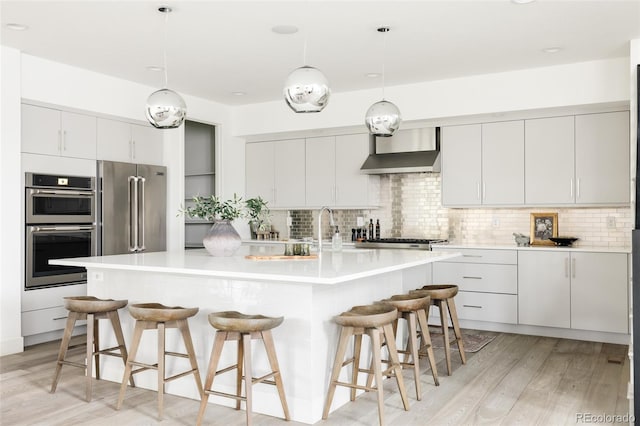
point(165, 108)
point(383, 117)
point(306, 89)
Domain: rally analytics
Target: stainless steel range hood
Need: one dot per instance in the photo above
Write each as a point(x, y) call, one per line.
point(407, 151)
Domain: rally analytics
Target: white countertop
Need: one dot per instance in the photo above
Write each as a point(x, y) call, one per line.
point(515, 247)
point(329, 268)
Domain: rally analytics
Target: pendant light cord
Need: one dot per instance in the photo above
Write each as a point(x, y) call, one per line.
point(306, 33)
point(166, 25)
point(384, 59)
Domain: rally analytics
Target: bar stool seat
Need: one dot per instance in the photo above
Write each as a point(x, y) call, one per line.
point(92, 309)
point(160, 317)
point(376, 321)
point(442, 296)
point(411, 308)
point(236, 326)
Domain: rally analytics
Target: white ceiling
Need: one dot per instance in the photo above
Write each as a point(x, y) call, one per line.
point(216, 48)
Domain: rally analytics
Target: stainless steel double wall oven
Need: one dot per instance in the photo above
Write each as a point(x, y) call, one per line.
point(60, 223)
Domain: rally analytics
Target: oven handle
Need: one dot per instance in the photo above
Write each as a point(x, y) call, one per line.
point(63, 228)
point(61, 192)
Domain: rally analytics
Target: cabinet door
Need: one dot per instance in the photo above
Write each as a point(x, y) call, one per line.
point(320, 171)
point(352, 187)
point(544, 288)
point(40, 130)
point(599, 292)
point(259, 171)
point(78, 135)
point(549, 161)
point(148, 145)
point(114, 140)
point(602, 154)
point(503, 163)
point(289, 173)
point(461, 165)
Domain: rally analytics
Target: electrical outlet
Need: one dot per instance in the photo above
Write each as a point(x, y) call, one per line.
point(611, 222)
point(97, 276)
point(495, 222)
point(360, 221)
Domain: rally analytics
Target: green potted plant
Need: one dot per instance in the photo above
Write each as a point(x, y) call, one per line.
point(258, 214)
point(222, 239)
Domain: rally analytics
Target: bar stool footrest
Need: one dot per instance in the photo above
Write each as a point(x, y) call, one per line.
point(224, 394)
point(177, 354)
point(177, 376)
point(264, 378)
point(361, 387)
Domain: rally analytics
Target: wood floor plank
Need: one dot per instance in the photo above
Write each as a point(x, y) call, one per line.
point(514, 380)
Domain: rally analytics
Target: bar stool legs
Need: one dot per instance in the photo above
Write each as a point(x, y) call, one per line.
point(151, 316)
point(375, 321)
point(91, 309)
point(243, 328)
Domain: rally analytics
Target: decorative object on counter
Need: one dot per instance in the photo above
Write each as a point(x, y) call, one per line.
point(377, 229)
point(336, 241)
point(371, 229)
point(222, 239)
point(543, 227)
point(521, 239)
point(258, 214)
point(165, 108)
point(383, 117)
point(564, 241)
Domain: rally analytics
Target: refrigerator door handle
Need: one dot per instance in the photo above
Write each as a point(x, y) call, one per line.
point(141, 214)
point(133, 213)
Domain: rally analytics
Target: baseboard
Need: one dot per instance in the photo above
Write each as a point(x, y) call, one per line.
point(11, 346)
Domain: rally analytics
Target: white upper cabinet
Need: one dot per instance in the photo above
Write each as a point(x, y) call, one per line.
point(602, 156)
point(321, 171)
point(461, 150)
point(503, 163)
point(52, 132)
point(131, 143)
point(352, 187)
point(549, 161)
point(275, 171)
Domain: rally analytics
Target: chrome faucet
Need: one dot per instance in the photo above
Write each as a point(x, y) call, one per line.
point(331, 222)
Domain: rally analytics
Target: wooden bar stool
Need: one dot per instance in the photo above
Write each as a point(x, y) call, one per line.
point(154, 316)
point(376, 321)
point(442, 296)
point(232, 325)
point(411, 308)
point(92, 309)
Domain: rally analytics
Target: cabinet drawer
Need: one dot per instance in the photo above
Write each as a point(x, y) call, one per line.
point(45, 320)
point(477, 277)
point(507, 257)
point(487, 307)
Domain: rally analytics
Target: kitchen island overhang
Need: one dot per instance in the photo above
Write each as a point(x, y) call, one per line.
point(308, 293)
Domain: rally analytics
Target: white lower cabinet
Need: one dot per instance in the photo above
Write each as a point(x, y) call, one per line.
point(487, 281)
point(43, 309)
point(578, 290)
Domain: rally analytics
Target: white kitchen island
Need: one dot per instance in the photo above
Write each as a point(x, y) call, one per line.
point(308, 293)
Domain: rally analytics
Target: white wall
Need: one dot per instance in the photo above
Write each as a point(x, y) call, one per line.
point(558, 86)
point(10, 234)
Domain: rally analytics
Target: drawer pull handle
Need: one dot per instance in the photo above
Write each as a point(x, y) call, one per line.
point(59, 318)
point(472, 278)
point(471, 255)
point(472, 306)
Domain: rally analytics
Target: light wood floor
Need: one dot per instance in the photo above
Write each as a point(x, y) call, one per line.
point(515, 379)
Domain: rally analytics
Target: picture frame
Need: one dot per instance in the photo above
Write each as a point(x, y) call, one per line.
point(543, 226)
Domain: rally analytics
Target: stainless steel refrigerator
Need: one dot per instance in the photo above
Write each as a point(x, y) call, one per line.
point(132, 208)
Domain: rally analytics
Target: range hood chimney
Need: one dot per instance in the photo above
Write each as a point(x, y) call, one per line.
point(407, 151)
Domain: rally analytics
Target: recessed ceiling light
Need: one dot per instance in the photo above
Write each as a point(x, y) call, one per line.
point(373, 74)
point(551, 49)
point(522, 1)
point(285, 29)
point(17, 27)
point(238, 93)
point(154, 68)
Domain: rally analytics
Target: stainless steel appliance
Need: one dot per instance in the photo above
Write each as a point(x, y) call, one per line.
point(399, 243)
point(132, 206)
point(60, 223)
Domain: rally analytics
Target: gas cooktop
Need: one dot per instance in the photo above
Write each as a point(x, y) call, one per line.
point(399, 243)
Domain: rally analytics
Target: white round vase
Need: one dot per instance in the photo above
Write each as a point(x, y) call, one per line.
point(222, 239)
